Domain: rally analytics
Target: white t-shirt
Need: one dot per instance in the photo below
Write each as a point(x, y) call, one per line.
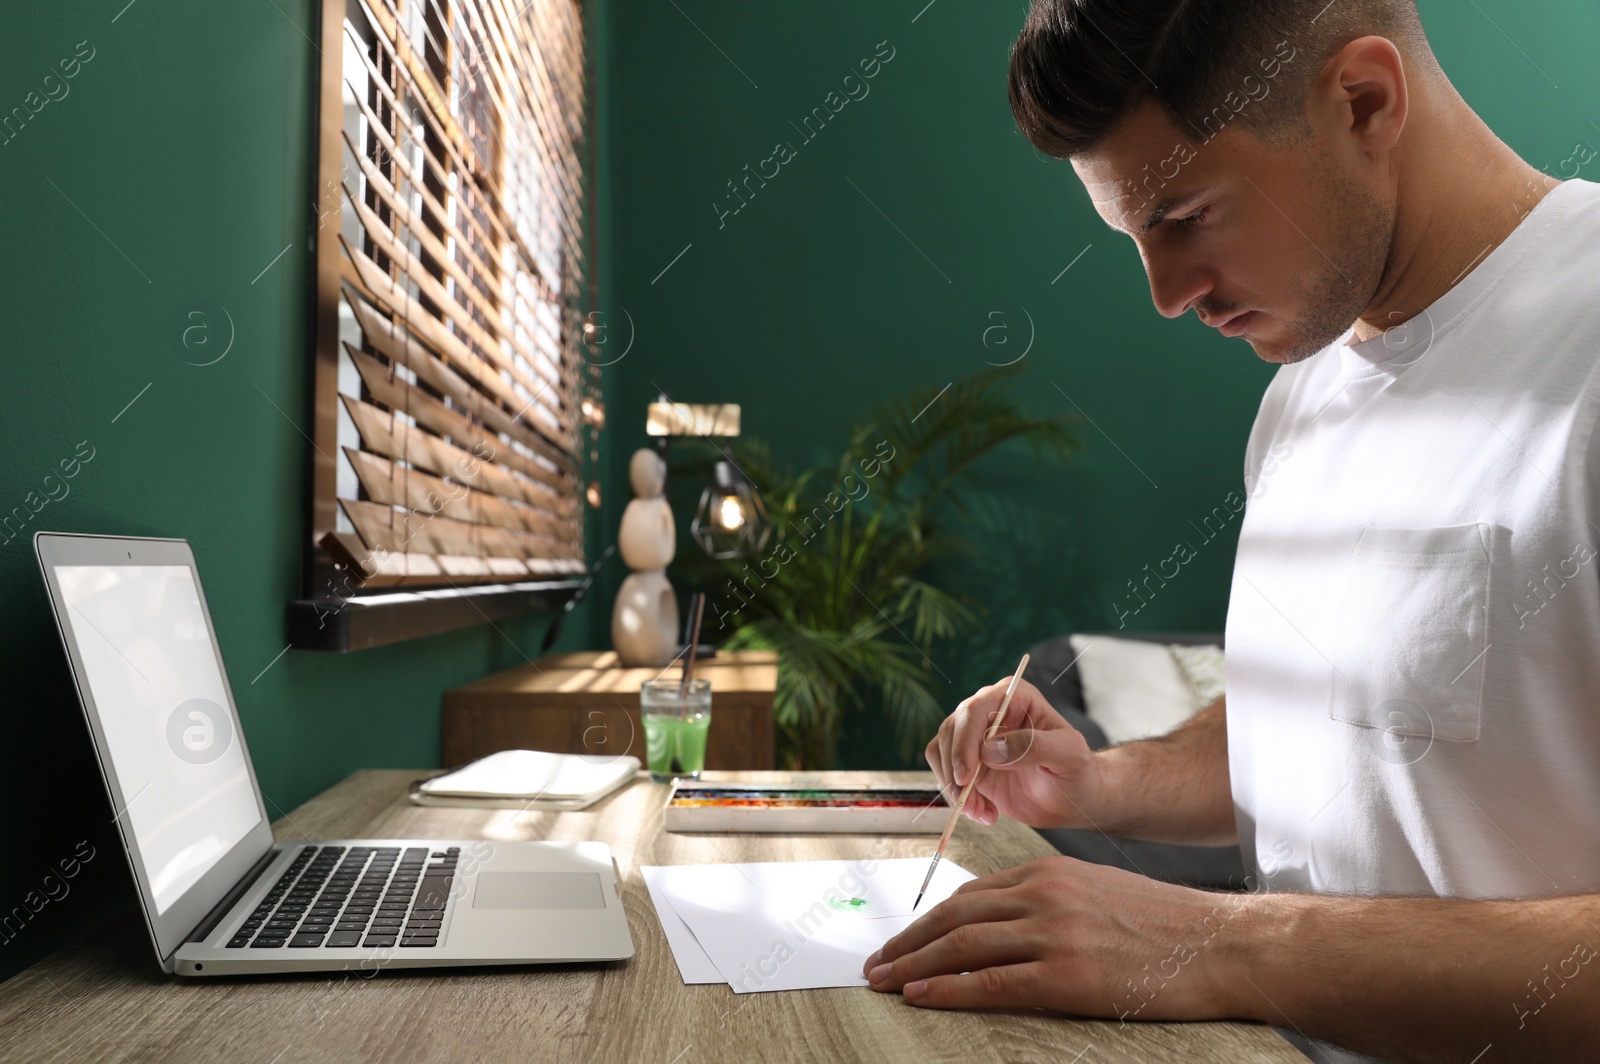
point(1414, 624)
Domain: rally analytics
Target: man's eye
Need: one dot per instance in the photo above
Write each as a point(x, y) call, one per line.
point(1192, 220)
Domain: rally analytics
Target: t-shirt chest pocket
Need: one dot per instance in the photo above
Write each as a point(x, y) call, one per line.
point(1412, 631)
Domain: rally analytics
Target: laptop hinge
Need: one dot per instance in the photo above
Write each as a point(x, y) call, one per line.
point(229, 900)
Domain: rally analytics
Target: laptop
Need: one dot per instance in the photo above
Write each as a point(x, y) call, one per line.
point(219, 895)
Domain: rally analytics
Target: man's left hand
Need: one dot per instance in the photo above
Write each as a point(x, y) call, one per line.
point(1069, 936)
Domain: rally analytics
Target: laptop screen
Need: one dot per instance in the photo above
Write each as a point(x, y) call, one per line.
point(163, 708)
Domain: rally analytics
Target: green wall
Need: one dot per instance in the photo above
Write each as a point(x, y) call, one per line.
point(186, 142)
point(811, 303)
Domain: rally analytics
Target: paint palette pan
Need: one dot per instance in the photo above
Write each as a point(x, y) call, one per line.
point(699, 807)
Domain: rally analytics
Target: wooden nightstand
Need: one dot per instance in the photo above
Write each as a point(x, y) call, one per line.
point(585, 703)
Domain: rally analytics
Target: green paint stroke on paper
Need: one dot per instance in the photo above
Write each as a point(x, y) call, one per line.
point(848, 905)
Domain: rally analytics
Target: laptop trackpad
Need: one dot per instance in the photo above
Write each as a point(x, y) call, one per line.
point(538, 890)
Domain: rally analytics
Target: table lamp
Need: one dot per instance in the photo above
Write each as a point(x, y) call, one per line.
point(731, 521)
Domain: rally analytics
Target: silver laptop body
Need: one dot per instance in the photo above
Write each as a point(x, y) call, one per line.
point(219, 896)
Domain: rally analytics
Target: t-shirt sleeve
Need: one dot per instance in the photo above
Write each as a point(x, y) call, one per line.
point(1264, 433)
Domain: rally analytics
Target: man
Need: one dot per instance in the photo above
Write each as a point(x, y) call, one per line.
point(1411, 728)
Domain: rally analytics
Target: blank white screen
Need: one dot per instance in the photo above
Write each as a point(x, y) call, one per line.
point(148, 662)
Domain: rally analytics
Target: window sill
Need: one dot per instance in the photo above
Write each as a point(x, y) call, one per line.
point(356, 623)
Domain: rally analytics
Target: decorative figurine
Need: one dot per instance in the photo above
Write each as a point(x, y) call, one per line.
point(644, 623)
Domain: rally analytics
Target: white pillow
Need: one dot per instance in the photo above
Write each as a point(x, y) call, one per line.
point(1132, 689)
point(1203, 667)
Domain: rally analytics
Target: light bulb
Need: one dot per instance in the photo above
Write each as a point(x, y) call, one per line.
point(730, 515)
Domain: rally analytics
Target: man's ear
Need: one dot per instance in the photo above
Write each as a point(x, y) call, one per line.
point(1362, 95)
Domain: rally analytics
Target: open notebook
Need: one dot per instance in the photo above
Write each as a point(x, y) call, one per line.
point(528, 779)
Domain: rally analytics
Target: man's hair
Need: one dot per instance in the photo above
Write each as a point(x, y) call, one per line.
point(1080, 66)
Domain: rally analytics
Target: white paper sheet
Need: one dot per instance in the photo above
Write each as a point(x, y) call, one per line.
point(797, 925)
point(693, 964)
point(534, 774)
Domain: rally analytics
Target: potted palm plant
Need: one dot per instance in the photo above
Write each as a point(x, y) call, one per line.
point(845, 589)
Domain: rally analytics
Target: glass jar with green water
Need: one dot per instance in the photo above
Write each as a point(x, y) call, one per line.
point(677, 716)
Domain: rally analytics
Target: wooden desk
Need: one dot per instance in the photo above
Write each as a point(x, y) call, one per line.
point(585, 703)
point(105, 999)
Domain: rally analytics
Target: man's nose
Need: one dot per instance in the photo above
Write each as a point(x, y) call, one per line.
point(1175, 286)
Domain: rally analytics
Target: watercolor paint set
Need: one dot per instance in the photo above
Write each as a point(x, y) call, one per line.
point(698, 807)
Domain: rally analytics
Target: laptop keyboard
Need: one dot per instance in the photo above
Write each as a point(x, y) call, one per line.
point(362, 896)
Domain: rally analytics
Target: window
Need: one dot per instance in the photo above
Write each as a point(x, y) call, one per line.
point(455, 415)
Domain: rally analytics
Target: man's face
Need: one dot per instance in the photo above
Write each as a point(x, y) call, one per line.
point(1278, 245)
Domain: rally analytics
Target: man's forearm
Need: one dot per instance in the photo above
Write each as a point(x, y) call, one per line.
point(1171, 789)
point(1419, 979)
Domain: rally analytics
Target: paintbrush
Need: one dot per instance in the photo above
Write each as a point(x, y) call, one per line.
point(966, 792)
point(698, 607)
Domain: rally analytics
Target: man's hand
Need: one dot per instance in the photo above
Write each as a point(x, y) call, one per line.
point(1414, 979)
point(1064, 935)
point(1040, 770)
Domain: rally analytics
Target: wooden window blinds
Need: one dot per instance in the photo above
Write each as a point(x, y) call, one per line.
point(452, 393)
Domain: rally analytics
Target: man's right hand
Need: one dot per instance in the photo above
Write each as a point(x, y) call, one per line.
point(1039, 769)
